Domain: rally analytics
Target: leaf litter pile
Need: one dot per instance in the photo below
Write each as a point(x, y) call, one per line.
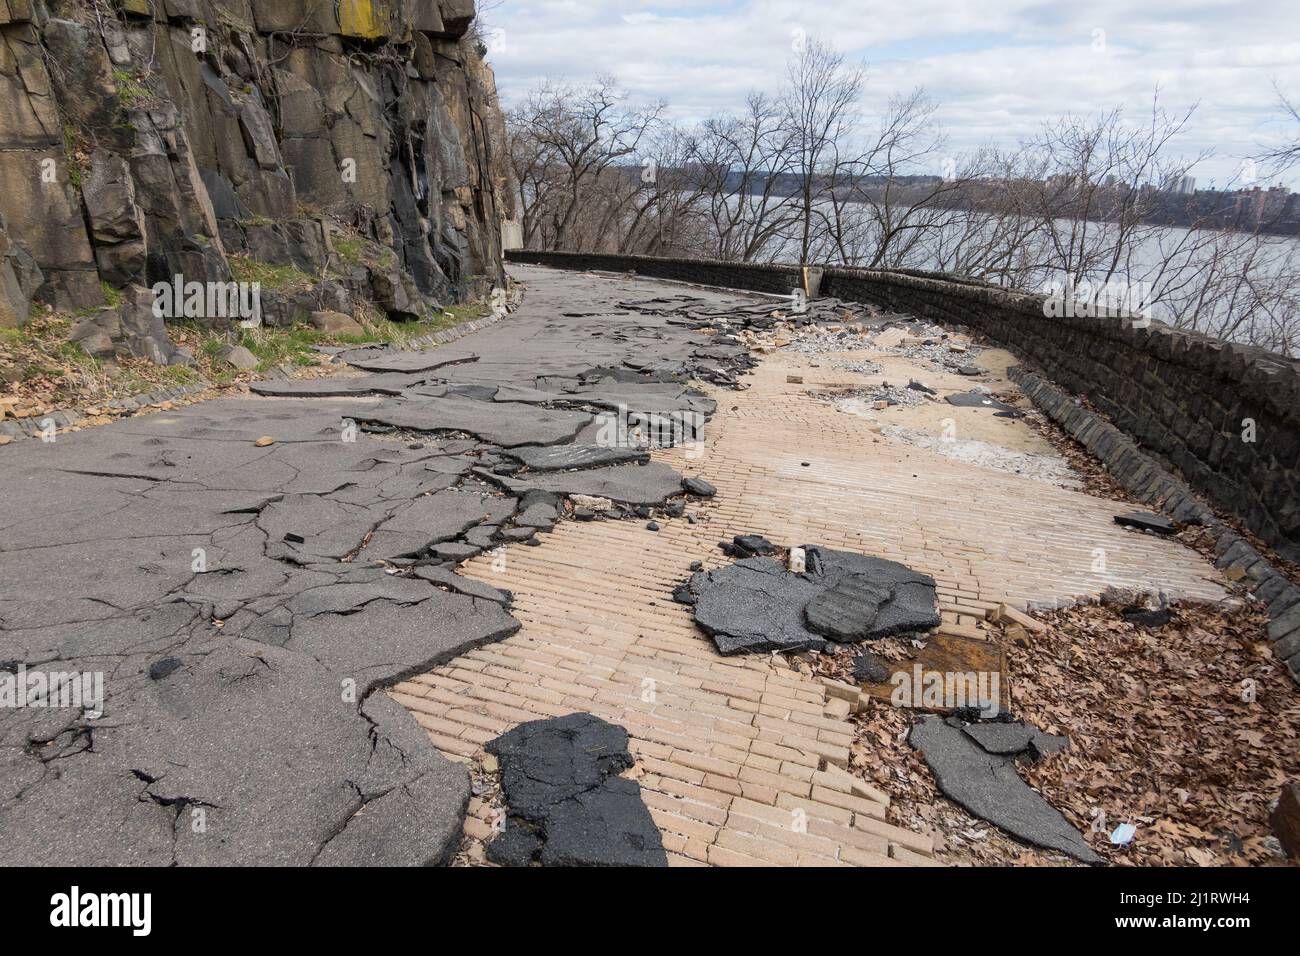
point(1188, 731)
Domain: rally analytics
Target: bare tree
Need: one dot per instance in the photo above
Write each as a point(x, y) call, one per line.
point(563, 139)
point(820, 103)
point(1282, 158)
point(738, 165)
point(657, 212)
point(878, 205)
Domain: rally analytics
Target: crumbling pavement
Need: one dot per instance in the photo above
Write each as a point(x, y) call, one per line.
point(246, 572)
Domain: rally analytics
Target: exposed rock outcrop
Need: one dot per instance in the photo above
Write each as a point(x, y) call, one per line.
point(19, 278)
point(357, 142)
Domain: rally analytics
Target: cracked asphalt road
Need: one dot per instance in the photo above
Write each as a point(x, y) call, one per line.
point(243, 603)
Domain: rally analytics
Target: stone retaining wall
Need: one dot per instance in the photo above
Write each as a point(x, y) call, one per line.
point(776, 279)
point(1145, 478)
point(1226, 417)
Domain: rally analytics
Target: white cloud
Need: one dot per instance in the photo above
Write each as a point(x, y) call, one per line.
point(998, 69)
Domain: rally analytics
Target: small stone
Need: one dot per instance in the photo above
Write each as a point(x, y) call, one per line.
point(698, 486)
point(264, 441)
point(594, 502)
point(1019, 635)
point(336, 323)
point(747, 544)
point(5, 439)
point(652, 526)
point(489, 763)
point(236, 356)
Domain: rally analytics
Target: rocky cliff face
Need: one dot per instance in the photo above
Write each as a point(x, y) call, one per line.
point(356, 141)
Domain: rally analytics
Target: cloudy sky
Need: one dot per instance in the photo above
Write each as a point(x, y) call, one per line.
point(998, 68)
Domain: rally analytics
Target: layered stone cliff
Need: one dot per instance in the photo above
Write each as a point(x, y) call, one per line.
point(146, 139)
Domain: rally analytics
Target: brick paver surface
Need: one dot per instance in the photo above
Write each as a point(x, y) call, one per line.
point(740, 759)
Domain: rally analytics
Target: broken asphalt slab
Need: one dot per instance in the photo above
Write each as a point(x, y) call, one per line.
point(986, 784)
point(256, 743)
point(567, 457)
point(756, 604)
point(648, 484)
point(377, 360)
point(1011, 738)
point(336, 386)
point(507, 424)
point(980, 400)
point(566, 804)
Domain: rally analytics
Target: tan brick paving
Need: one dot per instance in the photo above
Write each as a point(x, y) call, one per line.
point(741, 758)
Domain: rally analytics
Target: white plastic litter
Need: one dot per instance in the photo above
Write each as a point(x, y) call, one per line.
point(1123, 834)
